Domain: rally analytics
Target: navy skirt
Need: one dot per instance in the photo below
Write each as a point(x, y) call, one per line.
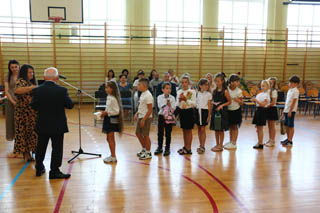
point(186, 118)
point(204, 117)
point(260, 116)
point(235, 117)
point(108, 127)
point(272, 114)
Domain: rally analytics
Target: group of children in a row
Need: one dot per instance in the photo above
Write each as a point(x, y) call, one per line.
point(222, 109)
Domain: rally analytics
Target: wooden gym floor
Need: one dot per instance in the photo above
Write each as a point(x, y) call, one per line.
point(246, 180)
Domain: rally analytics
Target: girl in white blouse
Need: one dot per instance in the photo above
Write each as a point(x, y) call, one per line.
point(272, 112)
point(234, 110)
point(186, 101)
point(262, 101)
point(203, 112)
point(113, 118)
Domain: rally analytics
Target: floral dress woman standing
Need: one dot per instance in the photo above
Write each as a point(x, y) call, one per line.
point(26, 138)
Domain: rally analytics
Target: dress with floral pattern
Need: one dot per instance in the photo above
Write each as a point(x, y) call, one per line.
point(26, 138)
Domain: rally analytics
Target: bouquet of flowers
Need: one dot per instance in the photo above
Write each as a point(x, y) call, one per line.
point(188, 97)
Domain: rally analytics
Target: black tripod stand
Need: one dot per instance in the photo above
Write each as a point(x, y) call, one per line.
point(80, 152)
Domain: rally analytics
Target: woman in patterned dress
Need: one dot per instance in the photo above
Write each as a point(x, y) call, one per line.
point(25, 117)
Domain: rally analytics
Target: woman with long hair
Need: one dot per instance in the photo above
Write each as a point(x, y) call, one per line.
point(9, 85)
point(25, 117)
point(110, 76)
point(152, 74)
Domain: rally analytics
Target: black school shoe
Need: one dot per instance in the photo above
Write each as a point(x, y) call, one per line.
point(166, 152)
point(58, 175)
point(158, 151)
point(284, 142)
point(40, 172)
point(287, 144)
point(258, 146)
point(184, 151)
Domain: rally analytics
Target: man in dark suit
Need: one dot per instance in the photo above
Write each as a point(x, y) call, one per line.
point(50, 101)
point(166, 78)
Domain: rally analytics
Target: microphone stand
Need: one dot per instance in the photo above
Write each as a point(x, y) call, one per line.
point(80, 151)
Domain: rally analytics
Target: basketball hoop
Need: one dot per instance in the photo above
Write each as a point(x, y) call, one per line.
point(55, 19)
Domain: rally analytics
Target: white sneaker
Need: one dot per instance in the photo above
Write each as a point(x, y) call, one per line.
point(270, 143)
point(226, 144)
point(230, 145)
point(146, 155)
point(110, 159)
point(139, 154)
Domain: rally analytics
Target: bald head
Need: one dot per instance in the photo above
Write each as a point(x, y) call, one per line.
point(51, 74)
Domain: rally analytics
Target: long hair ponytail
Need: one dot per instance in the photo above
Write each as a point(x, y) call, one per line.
point(9, 69)
point(116, 93)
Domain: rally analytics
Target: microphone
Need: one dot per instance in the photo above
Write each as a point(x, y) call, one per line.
point(63, 77)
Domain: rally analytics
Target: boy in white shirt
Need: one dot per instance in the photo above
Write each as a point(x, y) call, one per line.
point(166, 102)
point(290, 109)
point(144, 117)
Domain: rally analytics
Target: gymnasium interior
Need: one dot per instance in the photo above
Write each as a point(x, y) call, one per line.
point(85, 39)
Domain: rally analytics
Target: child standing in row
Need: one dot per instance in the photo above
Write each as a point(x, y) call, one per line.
point(186, 101)
point(113, 121)
point(219, 119)
point(234, 111)
point(290, 109)
point(262, 101)
point(144, 117)
point(166, 105)
point(203, 112)
point(272, 112)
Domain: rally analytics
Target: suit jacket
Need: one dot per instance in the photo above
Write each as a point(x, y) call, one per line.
point(173, 89)
point(50, 100)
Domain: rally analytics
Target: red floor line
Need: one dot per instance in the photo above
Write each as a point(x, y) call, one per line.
point(132, 135)
point(212, 202)
point(214, 177)
point(63, 189)
point(222, 184)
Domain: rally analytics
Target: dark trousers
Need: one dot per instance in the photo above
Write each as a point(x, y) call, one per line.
point(56, 154)
point(162, 126)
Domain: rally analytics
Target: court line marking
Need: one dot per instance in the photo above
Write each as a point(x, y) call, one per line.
point(63, 189)
point(212, 176)
point(3, 194)
point(212, 201)
point(215, 178)
point(219, 182)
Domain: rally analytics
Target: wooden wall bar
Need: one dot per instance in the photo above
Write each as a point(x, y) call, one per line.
point(84, 53)
point(1, 65)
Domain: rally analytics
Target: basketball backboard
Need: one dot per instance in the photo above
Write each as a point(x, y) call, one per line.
point(71, 11)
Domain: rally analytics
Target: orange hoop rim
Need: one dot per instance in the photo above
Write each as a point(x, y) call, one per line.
point(56, 19)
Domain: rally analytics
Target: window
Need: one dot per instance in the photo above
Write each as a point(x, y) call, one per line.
point(98, 12)
point(167, 15)
point(15, 23)
point(303, 18)
point(235, 15)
